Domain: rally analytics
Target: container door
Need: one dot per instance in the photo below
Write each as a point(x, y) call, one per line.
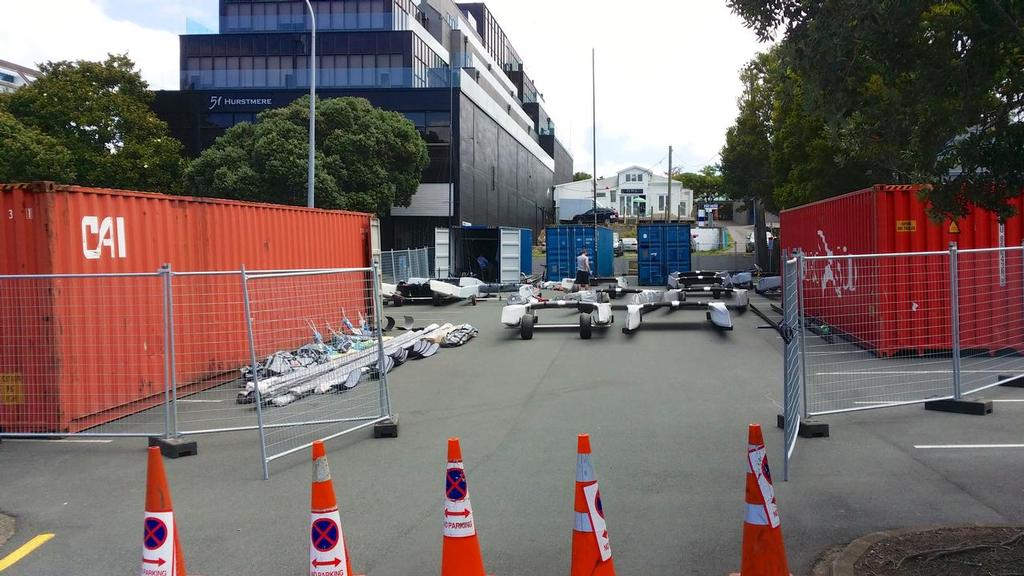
point(442, 252)
point(650, 257)
point(375, 257)
point(509, 254)
point(676, 246)
point(526, 251)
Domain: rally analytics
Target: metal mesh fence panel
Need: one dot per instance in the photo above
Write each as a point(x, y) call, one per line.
point(210, 348)
point(400, 265)
point(316, 337)
point(83, 354)
point(991, 316)
point(792, 335)
point(879, 330)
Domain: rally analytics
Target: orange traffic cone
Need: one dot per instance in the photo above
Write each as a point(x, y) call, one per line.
point(327, 548)
point(763, 552)
point(460, 550)
point(591, 549)
point(161, 551)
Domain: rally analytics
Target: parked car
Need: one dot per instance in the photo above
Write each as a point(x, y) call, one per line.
point(616, 244)
point(629, 244)
point(751, 245)
point(604, 216)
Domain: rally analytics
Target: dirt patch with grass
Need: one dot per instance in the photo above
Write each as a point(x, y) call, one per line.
point(955, 551)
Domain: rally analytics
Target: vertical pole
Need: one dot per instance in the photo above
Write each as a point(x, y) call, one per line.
point(803, 346)
point(172, 361)
point(378, 313)
point(310, 198)
point(593, 95)
point(954, 305)
point(668, 200)
point(165, 281)
point(255, 372)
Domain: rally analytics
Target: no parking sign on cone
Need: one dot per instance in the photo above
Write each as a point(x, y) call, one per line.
point(161, 552)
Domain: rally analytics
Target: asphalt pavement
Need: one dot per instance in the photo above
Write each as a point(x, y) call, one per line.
point(667, 410)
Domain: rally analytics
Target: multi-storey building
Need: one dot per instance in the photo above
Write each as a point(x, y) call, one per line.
point(14, 76)
point(449, 68)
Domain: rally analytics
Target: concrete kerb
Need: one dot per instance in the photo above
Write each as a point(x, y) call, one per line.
point(843, 565)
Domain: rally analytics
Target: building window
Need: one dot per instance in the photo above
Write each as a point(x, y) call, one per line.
point(639, 177)
point(661, 203)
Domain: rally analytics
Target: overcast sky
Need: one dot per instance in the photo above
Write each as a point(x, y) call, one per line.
point(667, 70)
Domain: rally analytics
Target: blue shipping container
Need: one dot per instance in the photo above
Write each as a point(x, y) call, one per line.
point(526, 251)
point(661, 250)
point(564, 244)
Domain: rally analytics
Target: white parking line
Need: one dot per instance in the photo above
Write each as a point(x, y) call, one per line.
point(951, 446)
point(1010, 400)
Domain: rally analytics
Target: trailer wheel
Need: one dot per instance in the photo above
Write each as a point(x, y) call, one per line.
point(627, 330)
point(526, 327)
point(708, 316)
point(586, 328)
point(741, 309)
point(435, 299)
point(397, 300)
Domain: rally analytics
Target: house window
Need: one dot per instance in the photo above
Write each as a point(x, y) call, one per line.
point(639, 177)
point(661, 203)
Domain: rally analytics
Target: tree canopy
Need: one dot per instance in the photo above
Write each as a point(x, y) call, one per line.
point(88, 123)
point(581, 176)
point(866, 91)
point(367, 159)
point(706, 184)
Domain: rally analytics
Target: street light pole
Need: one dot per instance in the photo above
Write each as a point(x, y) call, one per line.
point(310, 198)
point(593, 94)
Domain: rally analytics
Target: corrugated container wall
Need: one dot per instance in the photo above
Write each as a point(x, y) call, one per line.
point(564, 244)
point(662, 248)
point(51, 229)
point(874, 300)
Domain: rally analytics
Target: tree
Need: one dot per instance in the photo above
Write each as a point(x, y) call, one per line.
point(706, 184)
point(746, 157)
point(27, 154)
point(927, 91)
point(581, 176)
point(367, 159)
point(99, 113)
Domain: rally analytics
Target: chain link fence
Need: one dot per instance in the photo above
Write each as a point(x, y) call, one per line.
point(793, 369)
point(876, 331)
point(400, 265)
point(83, 354)
point(167, 354)
point(894, 329)
point(335, 381)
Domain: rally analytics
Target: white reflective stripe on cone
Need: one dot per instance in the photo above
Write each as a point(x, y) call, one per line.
point(756, 515)
point(584, 469)
point(583, 522)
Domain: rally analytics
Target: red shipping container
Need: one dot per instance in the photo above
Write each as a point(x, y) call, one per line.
point(902, 304)
point(78, 352)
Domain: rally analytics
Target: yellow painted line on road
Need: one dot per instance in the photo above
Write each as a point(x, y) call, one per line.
point(26, 549)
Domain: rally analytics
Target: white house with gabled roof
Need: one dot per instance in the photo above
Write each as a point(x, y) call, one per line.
point(633, 191)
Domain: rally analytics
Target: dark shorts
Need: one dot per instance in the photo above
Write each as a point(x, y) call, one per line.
point(583, 277)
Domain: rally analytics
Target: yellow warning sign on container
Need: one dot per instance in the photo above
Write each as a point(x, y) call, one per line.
point(954, 228)
point(11, 393)
point(906, 225)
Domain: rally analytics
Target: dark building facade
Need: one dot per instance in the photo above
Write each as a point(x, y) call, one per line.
point(447, 67)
